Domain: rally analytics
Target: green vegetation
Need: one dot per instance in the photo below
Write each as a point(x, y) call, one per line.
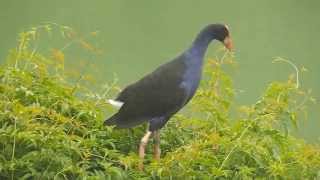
point(51, 126)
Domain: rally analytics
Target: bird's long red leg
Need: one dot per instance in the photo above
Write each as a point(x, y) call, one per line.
point(156, 147)
point(142, 147)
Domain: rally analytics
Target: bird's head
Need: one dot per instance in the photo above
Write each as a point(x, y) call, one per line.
point(221, 33)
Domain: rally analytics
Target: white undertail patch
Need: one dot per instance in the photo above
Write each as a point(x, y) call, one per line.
point(115, 103)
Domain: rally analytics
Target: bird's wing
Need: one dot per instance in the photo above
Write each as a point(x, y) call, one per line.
point(157, 94)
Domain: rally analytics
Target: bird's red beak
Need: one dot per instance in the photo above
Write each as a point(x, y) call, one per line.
point(228, 43)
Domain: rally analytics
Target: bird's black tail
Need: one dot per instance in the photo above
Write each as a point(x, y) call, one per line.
point(112, 120)
point(116, 120)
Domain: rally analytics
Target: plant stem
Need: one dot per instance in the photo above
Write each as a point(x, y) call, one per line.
point(232, 150)
point(293, 65)
point(13, 147)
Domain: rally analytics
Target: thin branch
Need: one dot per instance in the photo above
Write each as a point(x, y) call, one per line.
point(279, 59)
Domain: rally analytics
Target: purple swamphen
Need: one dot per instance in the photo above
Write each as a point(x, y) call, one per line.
point(159, 95)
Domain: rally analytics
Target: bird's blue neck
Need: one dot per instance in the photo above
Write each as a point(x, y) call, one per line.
point(196, 52)
point(193, 59)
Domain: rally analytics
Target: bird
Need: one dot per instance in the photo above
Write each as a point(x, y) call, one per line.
point(156, 97)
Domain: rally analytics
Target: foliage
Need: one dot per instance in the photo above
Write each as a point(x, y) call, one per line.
point(52, 128)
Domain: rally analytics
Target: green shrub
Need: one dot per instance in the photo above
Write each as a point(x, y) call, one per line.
point(53, 129)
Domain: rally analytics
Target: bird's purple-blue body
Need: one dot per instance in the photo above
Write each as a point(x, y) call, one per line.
point(160, 94)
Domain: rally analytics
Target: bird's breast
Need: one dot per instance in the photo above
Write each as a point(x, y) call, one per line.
point(190, 80)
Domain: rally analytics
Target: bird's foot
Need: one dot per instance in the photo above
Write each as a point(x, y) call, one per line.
point(141, 166)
